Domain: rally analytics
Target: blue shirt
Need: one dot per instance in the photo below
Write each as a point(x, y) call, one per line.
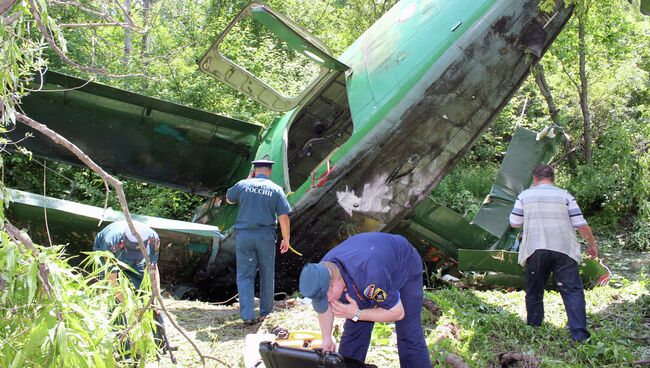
point(374, 267)
point(260, 202)
point(118, 239)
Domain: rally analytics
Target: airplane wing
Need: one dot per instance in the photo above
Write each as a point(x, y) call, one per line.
point(184, 245)
point(526, 150)
point(139, 137)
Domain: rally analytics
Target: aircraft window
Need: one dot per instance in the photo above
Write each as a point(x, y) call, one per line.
point(255, 48)
point(323, 125)
point(240, 58)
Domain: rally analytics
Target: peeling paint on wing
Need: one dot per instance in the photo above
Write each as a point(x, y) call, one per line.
point(374, 198)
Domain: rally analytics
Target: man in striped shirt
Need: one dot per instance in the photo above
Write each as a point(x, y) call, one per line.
point(549, 216)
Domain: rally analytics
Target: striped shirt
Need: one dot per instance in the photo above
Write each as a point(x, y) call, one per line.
point(549, 216)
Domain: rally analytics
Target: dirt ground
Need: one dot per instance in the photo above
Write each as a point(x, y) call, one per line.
point(218, 331)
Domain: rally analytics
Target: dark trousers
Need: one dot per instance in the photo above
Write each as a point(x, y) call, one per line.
point(255, 250)
point(411, 347)
point(567, 276)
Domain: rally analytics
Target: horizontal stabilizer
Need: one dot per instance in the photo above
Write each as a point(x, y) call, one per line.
point(137, 136)
point(500, 268)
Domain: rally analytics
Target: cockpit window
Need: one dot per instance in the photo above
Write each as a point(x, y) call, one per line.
point(239, 58)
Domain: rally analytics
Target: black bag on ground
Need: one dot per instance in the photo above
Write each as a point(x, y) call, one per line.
point(275, 356)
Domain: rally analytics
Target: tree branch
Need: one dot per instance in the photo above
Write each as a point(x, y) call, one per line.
point(128, 24)
point(584, 89)
point(6, 5)
point(125, 11)
point(564, 69)
point(83, 157)
point(50, 40)
point(96, 25)
point(540, 79)
point(455, 361)
point(80, 7)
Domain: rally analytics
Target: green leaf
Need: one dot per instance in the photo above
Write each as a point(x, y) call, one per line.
point(19, 360)
point(61, 340)
point(99, 362)
point(36, 340)
point(32, 281)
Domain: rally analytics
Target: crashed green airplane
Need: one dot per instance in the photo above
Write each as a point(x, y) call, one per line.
point(359, 149)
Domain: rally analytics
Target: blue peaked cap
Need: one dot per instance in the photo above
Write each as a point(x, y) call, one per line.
point(314, 283)
point(264, 161)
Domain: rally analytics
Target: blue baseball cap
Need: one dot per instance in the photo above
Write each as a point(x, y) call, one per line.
point(314, 283)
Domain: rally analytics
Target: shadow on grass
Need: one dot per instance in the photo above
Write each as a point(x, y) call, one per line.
point(478, 326)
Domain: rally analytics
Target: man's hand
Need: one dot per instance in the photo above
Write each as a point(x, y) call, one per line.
point(284, 246)
point(345, 310)
point(328, 344)
point(585, 232)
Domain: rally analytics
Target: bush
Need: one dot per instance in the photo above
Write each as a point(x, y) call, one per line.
point(75, 322)
point(640, 237)
point(465, 187)
point(610, 190)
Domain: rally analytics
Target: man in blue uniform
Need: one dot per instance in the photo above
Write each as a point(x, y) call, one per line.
point(370, 277)
point(260, 202)
point(118, 239)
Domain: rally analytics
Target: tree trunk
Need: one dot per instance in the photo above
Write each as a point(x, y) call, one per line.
point(127, 36)
point(540, 79)
point(146, 11)
point(584, 97)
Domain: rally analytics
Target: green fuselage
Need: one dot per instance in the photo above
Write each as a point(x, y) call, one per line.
point(424, 82)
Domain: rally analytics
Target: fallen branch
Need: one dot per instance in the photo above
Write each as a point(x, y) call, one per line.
point(5, 5)
point(83, 157)
point(511, 357)
point(125, 332)
point(43, 270)
point(636, 363)
point(432, 307)
point(642, 338)
point(454, 361)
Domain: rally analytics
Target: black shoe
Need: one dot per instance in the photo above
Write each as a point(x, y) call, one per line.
point(252, 322)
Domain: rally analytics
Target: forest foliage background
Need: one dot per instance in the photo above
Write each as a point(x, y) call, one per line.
point(160, 41)
point(593, 82)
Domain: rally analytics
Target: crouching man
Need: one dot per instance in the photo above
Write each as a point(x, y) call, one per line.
point(370, 277)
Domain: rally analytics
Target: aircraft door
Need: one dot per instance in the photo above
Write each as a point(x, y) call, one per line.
point(239, 58)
